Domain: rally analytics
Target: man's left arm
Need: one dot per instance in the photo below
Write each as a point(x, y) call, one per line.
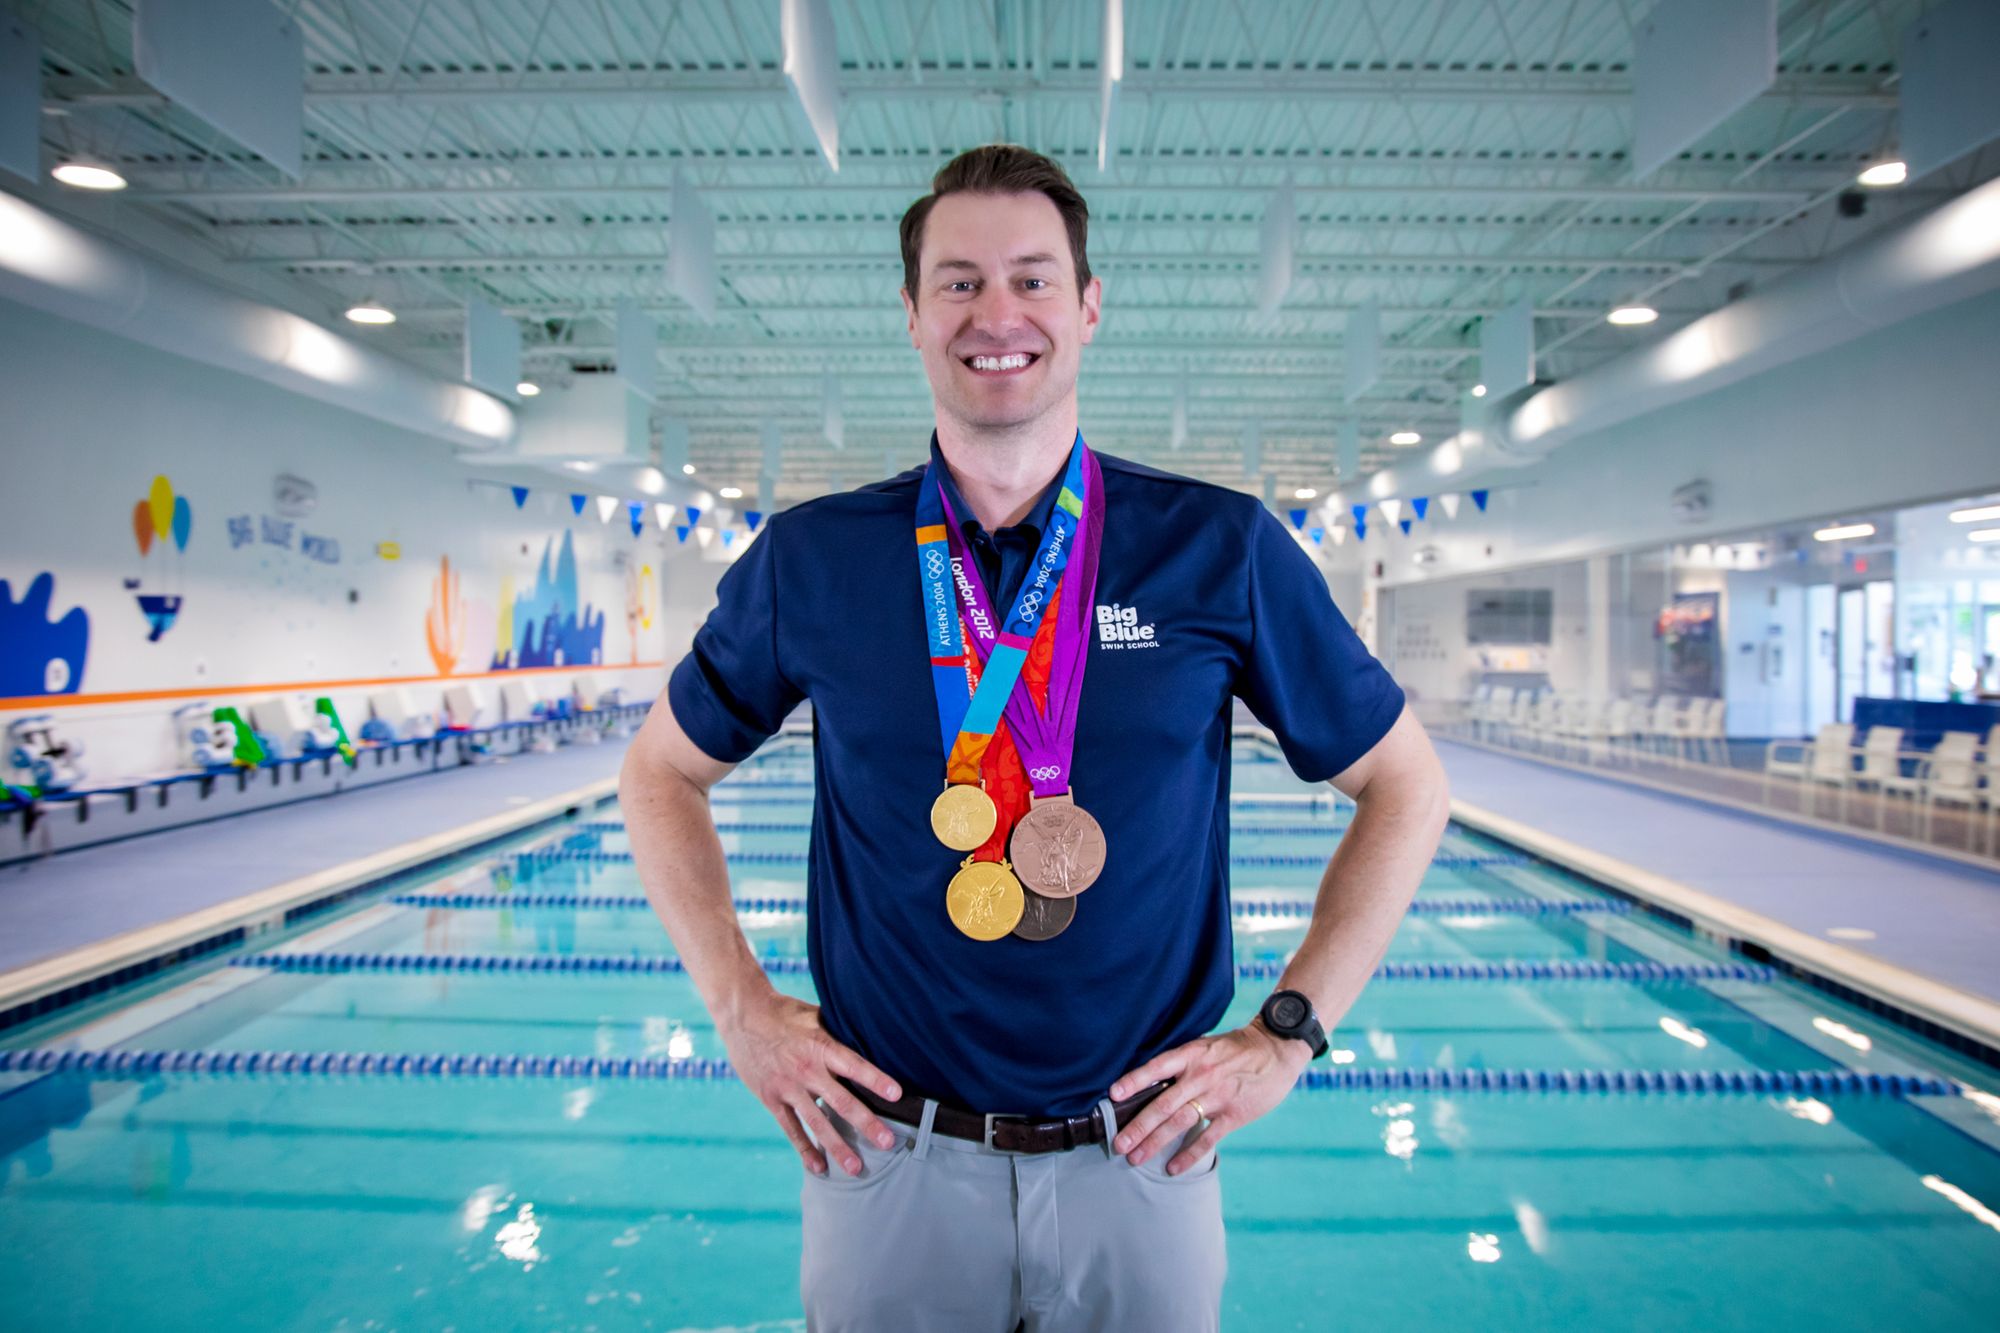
point(1401, 805)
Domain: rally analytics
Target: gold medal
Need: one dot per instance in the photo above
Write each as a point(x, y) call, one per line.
point(964, 817)
point(985, 900)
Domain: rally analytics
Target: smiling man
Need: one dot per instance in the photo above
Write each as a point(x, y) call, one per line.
point(1022, 660)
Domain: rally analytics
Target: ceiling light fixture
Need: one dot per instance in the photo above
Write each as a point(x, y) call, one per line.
point(1984, 535)
point(1884, 174)
point(1841, 532)
point(1633, 314)
point(527, 388)
point(1305, 493)
point(688, 468)
point(1479, 391)
point(371, 312)
point(88, 176)
point(1976, 515)
point(1406, 437)
point(732, 492)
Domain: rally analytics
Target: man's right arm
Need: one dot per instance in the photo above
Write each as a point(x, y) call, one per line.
point(776, 1043)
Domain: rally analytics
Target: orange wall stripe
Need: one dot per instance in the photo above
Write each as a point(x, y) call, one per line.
point(286, 687)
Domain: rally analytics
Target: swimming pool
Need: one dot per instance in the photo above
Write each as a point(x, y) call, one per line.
point(1699, 1140)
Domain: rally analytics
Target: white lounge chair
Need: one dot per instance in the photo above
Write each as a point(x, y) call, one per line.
point(1825, 760)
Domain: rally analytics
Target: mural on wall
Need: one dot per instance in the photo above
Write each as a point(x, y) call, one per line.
point(550, 624)
point(37, 655)
point(160, 518)
point(642, 593)
point(444, 622)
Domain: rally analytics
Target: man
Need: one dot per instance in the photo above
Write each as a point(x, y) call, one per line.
point(1009, 1077)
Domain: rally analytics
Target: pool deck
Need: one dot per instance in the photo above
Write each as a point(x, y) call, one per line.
point(1931, 916)
point(77, 898)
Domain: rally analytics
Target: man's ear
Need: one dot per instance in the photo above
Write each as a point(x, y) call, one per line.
point(1093, 307)
point(910, 315)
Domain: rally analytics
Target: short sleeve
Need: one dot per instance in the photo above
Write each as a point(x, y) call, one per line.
point(729, 693)
point(1307, 675)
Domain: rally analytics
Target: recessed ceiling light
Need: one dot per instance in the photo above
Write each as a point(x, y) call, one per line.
point(88, 176)
point(1633, 314)
point(1479, 391)
point(1884, 174)
point(527, 388)
point(1305, 493)
point(1842, 532)
point(1976, 515)
point(732, 492)
point(368, 312)
point(1984, 535)
point(1406, 437)
point(688, 468)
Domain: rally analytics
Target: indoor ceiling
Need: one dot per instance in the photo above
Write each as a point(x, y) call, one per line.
point(1449, 157)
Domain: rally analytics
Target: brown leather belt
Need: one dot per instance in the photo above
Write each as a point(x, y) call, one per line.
point(1007, 1133)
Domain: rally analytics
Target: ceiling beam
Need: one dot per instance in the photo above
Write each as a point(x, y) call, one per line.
point(1611, 92)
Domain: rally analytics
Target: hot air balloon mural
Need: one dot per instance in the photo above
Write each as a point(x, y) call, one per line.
point(161, 519)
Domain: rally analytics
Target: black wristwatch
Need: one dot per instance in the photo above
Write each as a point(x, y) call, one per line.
point(1289, 1014)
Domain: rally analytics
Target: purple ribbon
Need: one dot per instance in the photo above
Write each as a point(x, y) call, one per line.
point(1047, 741)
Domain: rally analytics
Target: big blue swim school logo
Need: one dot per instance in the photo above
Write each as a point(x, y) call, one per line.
point(1118, 628)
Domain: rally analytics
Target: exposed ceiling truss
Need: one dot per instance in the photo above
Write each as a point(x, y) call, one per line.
point(1449, 158)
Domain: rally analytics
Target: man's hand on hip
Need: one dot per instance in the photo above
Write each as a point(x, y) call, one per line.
point(1231, 1079)
point(783, 1053)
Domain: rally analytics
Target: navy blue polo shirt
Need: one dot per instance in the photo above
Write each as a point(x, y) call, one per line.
point(1202, 598)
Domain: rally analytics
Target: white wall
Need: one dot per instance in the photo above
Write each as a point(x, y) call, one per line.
point(91, 419)
point(1902, 416)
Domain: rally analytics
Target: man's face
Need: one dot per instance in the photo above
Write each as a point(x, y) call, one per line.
point(997, 316)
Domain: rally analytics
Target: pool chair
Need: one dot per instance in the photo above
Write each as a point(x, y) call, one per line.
point(1703, 730)
point(1608, 727)
point(1476, 705)
point(1949, 775)
point(1825, 759)
point(1881, 768)
point(1661, 726)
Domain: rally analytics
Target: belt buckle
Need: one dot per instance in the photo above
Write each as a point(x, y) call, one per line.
point(986, 1140)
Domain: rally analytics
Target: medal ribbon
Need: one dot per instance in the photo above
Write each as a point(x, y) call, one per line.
point(1046, 736)
point(966, 727)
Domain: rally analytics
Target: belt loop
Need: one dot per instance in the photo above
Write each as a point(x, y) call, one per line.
point(924, 1125)
point(1109, 1115)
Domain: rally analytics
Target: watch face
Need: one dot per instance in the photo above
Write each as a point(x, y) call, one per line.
point(1288, 1011)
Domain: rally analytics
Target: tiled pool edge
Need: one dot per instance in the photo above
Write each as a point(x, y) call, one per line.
point(50, 984)
point(1956, 1019)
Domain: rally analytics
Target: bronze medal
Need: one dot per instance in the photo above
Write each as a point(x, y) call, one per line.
point(985, 900)
point(963, 817)
point(1058, 849)
point(1044, 918)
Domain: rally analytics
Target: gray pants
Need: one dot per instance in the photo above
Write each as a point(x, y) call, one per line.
point(940, 1234)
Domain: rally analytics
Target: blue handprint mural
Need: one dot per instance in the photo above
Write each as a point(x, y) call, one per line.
point(37, 655)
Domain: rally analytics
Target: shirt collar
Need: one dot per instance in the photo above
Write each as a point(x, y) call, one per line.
point(1038, 517)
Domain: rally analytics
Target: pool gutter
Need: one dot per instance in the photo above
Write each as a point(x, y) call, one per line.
point(1898, 993)
point(65, 978)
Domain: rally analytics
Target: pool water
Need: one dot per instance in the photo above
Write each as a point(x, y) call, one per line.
point(296, 1201)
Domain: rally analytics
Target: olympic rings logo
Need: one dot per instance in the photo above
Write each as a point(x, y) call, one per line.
point(934, 563)
point(1043, 774)
point(1030, 605)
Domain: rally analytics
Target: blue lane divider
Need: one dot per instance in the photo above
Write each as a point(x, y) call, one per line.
point(575, 855)
point(738, 826)
point(1279, 908)
point(1525, 970)
point(132, 1064)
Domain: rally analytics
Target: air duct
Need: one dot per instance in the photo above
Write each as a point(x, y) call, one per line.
point(1946, 255)
point(53, 266)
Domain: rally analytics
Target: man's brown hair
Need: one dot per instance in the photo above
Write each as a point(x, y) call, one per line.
point(1000, 168)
